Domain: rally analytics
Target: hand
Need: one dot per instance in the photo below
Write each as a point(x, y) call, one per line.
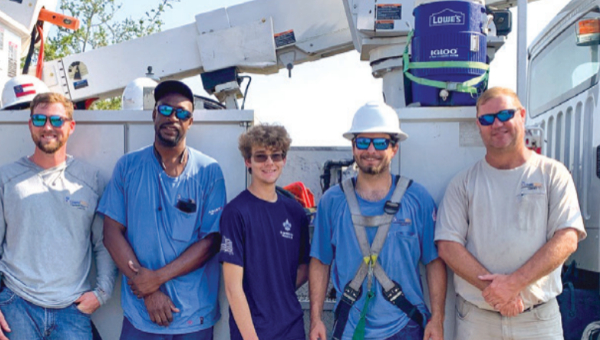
point(513, 307)
point(87, 303)
point(160, 308)
point(3, 327)
point(434, 330)
point(144, 282)
point(317, 330)
point(500, 291)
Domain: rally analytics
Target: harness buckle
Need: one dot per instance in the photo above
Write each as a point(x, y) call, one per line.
point(394, 293)
point(350, 294)
point(391, 208)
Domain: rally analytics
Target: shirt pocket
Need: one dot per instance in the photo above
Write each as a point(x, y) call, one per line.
point(183, 225)
point(403, 241)
point(532, 208)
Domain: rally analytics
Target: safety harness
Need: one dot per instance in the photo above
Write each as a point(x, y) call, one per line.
point(370, 267)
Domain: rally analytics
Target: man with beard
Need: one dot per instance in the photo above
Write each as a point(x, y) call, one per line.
point(506, 226)
point(162, 209)
point(373, 231)
point(49, 233)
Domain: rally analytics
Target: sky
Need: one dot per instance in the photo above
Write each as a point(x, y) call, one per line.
point(317, 103)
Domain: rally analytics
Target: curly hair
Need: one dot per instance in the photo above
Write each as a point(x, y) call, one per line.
point(264, 135)
point(51, 98)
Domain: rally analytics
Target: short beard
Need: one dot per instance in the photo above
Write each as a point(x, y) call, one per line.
point(168, 142)
point(371, 170)
point(47, 148)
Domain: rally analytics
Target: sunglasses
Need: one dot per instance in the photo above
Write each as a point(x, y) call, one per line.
point(167, 111)
point(39, 120)
point(380, 144)
point(275, 157)
point(503, 116)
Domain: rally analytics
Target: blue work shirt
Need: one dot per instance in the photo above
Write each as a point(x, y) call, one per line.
point(144, 199)
point(409, 240)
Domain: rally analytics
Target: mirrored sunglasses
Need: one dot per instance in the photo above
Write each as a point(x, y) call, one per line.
point(503, 116)
point(39, 120)
point(167, 111)
point(380, 144)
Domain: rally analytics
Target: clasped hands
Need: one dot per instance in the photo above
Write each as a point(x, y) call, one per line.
point(145, 283)
point(502, 294)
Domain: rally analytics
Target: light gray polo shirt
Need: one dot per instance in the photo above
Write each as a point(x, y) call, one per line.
point(49, 231)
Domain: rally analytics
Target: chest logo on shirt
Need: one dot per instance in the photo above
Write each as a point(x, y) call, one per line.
point(531, 186)
point(214, 211)
point(287, 226)
point(81, 205)
point(227, 246)
point(402, 222)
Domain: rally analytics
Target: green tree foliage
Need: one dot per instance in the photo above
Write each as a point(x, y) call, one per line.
point(100, 27)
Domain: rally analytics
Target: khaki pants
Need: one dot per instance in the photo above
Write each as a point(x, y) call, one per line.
point(540, 323)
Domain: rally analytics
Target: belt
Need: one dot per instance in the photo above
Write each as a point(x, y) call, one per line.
point(495, 311)
point(534, 307)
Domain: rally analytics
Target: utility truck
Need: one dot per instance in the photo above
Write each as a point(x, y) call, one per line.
point(432, 70)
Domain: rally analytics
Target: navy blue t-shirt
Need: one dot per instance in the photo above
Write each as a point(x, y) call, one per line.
point(269, 240)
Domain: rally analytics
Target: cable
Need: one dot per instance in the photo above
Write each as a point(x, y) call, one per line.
point(245, 91)
point(30, 52)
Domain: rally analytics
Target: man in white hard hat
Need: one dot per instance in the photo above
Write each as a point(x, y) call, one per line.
point(373, 230)
point(506, 226)
point(49, 233)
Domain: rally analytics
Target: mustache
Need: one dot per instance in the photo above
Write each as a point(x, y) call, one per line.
point(378, 157)
point(167, 124)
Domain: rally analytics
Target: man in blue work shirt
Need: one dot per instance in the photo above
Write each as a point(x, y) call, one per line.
point(265, 245)
point(162, 209)
point(375, 135)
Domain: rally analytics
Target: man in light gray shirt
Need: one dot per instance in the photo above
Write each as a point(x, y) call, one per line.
point(49, 233)
point(505, 227)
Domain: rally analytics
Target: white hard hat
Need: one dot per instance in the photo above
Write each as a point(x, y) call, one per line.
point(19, 91)
point(133, 95)
point(376, 117)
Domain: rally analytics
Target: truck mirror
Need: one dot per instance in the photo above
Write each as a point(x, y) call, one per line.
point(588, 32)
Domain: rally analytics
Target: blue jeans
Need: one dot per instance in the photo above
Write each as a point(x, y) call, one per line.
point(411, 331)
point(128, 332)
point(30, 322)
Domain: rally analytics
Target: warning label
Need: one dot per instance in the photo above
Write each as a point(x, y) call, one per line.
point(384, 24)
point(13, 59)
point(469, 134)
point(77, 70)
point(285, 38)
point(389, 12)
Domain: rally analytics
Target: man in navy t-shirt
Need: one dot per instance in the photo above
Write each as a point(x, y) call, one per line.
point(264, 250)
